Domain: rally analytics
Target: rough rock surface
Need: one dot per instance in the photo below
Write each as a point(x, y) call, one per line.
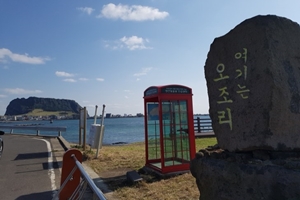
point(253, 81)
point(267, 175)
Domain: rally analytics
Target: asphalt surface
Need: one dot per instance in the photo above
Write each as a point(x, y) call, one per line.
point(28, 168)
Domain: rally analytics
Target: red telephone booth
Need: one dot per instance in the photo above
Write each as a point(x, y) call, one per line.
point(169, 128)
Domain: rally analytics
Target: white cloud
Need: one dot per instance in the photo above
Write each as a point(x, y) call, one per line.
point(113, 45)
point(86, 10)
point(132, 13)
point(126, 97)
point(100, 79)
point(126, 90)
point(63, 74)
point(2, 96)
point(83, 79)
point(70, 80)
point(134, 42)
point(21, 91)
point(143, 72)
point(131, 43)
point(6, 53)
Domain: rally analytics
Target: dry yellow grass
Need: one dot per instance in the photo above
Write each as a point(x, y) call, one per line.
point(114, 161)
point(114, 157)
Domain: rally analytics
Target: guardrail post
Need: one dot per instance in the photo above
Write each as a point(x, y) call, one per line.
point(59, 133)
point(67, 167)
point(11, 131)
point(37, 132)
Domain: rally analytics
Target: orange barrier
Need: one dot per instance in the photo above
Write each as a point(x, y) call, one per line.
point(68, 166)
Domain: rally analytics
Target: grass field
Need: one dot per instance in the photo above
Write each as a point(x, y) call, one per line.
point(114, 161)
point(40, 112)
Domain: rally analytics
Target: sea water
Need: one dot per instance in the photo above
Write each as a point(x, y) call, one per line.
point(116, 130)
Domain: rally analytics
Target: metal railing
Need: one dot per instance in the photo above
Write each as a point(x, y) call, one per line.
point(202, 125)
point(34, 128)
point(85, 180)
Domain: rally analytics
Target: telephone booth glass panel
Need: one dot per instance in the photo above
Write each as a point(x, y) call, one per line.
point(175, 133)
point(153, 128)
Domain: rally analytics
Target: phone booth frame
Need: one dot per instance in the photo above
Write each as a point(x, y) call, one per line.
point(169, 128)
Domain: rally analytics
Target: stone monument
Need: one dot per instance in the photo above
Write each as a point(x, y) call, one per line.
point(253, 81)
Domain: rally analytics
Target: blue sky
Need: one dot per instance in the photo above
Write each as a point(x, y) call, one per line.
point(109, 52)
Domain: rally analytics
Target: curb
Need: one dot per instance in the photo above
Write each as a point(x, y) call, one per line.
point(64, 143)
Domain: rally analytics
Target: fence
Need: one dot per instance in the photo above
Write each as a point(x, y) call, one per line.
point(203, 124)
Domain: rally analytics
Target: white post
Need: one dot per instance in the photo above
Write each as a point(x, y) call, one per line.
point(102, 117)
point(102, 127)
point(95, 116)
point(101, 132)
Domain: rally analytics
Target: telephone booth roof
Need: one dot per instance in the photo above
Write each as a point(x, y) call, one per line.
point(155, 91)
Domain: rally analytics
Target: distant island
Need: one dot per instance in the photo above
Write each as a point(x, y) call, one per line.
point(36, 106)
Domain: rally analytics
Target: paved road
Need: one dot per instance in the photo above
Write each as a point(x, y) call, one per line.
point(30, 167)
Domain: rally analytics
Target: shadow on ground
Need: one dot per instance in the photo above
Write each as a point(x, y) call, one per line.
point(42, 195)
point(117, 178)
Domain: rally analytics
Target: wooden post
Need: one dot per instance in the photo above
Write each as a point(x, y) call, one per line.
point(84, 130)
point(79, 139)
point(81, 124)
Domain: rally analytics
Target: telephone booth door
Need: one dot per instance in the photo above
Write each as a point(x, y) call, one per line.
point(169, 129)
